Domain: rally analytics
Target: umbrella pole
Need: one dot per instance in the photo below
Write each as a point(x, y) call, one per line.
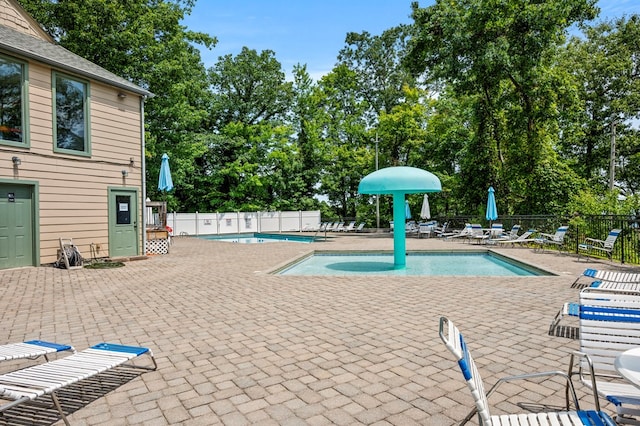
point(399, 235)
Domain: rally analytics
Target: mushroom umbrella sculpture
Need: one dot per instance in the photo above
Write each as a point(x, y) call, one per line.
point(399, 181)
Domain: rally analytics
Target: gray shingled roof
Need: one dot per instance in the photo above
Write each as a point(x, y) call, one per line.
point(24, 45)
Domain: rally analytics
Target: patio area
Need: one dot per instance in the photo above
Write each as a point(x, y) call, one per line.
point(236, 345)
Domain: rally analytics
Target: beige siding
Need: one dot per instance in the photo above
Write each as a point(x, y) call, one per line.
point(13, 16)
point(73, 190)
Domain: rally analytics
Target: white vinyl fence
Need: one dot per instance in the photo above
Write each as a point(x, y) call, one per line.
point(243, 222)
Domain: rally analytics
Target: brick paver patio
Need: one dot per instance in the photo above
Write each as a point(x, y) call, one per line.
point(236, 345)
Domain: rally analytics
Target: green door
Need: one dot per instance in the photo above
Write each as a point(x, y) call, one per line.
point(16, 226)
point(123, 222)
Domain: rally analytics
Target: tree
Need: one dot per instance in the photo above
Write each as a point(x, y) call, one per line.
point(498, 56)
point(377, 63)
point(249, 88)
point(344, 131)
point(605, 66)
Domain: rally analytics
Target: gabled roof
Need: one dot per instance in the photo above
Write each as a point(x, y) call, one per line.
point(17, 43)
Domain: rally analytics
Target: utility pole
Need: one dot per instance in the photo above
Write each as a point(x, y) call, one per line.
point(612, 160)
point(377, 195)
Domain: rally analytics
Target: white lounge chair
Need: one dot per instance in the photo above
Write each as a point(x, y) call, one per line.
point(465, 232)
point(350, 227)
point(556, 239)
point(494, 232)
point(609, 325)
point(600, 246)
point(525, 238)
point(46, 379)
point(572, 309)
point(477, 232)
point(360, 227)
point(426, 228)
point(511, 235)
point(31, 349)
point(606, 276)
point(454, 341)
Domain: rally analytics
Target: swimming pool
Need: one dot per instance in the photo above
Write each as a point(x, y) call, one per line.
point(481, 263)
point(258, 238)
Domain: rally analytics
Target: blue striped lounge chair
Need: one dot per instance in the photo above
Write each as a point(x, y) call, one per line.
point(609, 325)
point(47, 379)
point(455, 343)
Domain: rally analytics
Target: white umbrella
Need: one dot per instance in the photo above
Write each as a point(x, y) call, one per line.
point(425, 213)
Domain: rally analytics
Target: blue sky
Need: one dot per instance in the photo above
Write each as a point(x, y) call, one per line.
point(312, 32)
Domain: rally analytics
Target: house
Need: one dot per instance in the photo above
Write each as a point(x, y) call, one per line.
point(71, 150)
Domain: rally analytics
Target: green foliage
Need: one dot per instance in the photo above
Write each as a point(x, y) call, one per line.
point(604, 68)
point(476, 91)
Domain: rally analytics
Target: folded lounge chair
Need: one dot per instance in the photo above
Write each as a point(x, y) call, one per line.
point(454, 341)
point(600, 246)
point(46, 379)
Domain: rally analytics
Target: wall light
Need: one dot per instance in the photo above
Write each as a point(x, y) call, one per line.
point(125, 173)
point(16, 161)
point(122, 95)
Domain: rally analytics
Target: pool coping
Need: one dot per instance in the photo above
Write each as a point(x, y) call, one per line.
point(540, 271)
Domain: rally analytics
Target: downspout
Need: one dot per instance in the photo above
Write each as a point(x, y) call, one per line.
point(144, 180)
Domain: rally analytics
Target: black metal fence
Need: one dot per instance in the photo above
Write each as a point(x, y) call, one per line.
point(625, 250)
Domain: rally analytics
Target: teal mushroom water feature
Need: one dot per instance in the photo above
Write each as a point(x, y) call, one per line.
point(399, 181)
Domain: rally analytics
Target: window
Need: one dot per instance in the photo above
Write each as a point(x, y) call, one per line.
point(71, 129)
point(12, 102)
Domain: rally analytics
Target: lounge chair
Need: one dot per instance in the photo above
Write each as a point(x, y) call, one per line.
point(46, 379)
point(511, 235)
point(495, 231)
point(360, 227)
point(522, 239)
point(454, 341)
point(477, 232)
point(426, 228)
point(600, 246)
point(31, 349)
point(441, 231)
point(609, 325)
point(410, 227)
point(556, 239)
point(572, 309)
point(350, 227)
point(609, 276)
point(465, 232)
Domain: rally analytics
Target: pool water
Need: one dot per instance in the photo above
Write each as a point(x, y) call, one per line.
point(419, 263)
point(258, 238)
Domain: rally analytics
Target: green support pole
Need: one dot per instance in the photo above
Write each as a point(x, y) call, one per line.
point(399, 235)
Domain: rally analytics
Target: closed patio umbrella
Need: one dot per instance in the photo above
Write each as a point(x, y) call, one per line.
point(425, 213)
point(407, 210)
point(492, 210)
point(165, 183)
